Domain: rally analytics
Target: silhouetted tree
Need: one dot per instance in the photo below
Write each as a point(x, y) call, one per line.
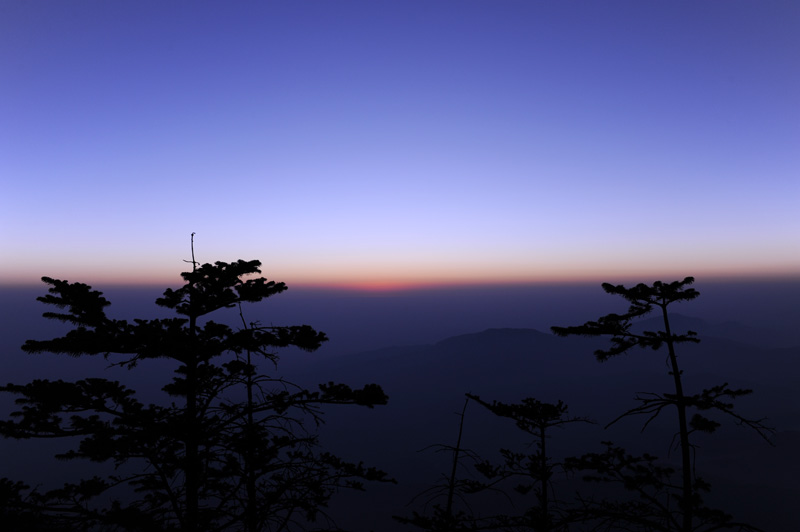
point(531, 471)
point(234, 448)
point(642, 300)
point(452, 488)
point(526, 472)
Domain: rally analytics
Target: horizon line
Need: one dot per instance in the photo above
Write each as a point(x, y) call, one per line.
point(399, 286)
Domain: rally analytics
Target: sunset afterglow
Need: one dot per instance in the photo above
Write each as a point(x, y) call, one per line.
point(400, 144)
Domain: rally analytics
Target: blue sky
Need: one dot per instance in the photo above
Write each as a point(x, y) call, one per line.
point(389, 143)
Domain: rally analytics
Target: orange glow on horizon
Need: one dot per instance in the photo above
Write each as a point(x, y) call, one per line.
point(389, 284)
point(388, 276)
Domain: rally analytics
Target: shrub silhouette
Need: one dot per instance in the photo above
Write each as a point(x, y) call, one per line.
point(233, 448)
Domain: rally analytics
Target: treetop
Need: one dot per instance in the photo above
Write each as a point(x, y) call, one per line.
point(659, 293)
point(219, 285)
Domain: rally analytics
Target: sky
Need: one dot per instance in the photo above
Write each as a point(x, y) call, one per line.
point(400, 143)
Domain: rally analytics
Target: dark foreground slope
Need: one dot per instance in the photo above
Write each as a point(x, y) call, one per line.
point(426, 385)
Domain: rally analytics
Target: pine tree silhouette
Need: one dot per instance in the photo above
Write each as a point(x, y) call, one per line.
point(641, 474)
point(234, 448)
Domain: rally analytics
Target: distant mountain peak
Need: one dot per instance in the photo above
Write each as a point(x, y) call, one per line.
point(495, 334)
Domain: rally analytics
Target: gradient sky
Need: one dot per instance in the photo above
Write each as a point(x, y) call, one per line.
point(361, 142)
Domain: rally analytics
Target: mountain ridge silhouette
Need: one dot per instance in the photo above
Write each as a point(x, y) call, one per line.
point(426, 386)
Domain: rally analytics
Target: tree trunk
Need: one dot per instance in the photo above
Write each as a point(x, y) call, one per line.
point(544, 474)
point(191, 441)
point(251, 521)
point(686, 459)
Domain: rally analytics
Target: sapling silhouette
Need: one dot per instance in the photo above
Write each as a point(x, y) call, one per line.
point(530, 472)
point(642, 300)
point(234, 448)
point(448, 518)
